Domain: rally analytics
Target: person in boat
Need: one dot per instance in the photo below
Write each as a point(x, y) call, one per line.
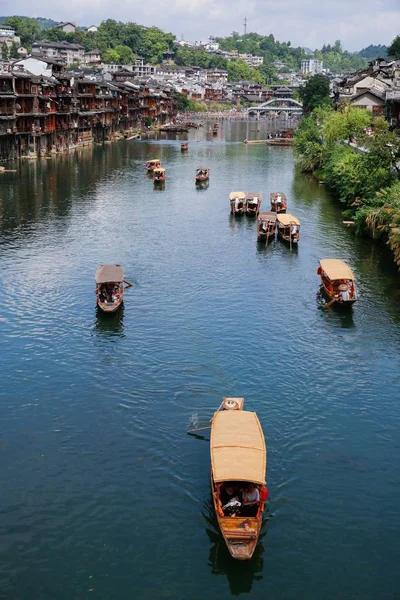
point(293, 232)
point(264, 225)
point(344, 293)
point(228, 493)
point(251, 500)
point(278, 201)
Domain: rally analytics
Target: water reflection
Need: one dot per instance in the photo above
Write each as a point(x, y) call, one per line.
point(110, 323)
point(240, 574)
point(337, 315)
point(202, 185)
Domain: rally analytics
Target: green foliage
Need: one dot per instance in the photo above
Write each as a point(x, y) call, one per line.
point(394, 48)
point(14, 51)
point(4, 51)
point(239, 70)
point(308, 144)
point(26, 28)
point(371, 52)
point(111, 57)
point(379, 211)
point(126, 56)
point(315, 93)
point(181, 101)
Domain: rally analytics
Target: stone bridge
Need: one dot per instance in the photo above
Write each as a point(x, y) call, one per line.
point(280, 106)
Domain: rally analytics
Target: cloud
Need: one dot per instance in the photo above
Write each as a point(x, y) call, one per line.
point(357, 23)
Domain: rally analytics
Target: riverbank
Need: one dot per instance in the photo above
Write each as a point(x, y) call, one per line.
point(356, 156)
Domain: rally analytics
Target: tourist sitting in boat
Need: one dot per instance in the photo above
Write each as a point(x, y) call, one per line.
point(251, 500)
point(278, 201)
point(229, 499)
point(294, 232)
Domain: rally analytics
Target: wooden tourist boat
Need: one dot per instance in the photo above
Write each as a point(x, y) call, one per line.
point(158, 175)
point(281, 141)
point(152, 164)
point(238, 468)
point(337, 280)
point(252, 203)
point(202, 174)
point(184, 146)
point(237, 202)
point(278, 202)
point(266, 225)
point(109, 287)
point(288, 229)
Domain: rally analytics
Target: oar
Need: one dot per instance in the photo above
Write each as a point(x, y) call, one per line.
point(199, 429)
point(327, 305)
point(127, 283)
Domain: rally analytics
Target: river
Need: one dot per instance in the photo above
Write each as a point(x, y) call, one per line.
point(103, 493)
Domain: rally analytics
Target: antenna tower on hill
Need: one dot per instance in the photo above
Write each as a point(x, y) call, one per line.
point(245, 25)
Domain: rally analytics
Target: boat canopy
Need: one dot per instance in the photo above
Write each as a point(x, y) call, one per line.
point(202, 169)
point(253, 196)
point(334, 268)
point(154, 160)
point(159, 170)
point(267, 215)
point(109, 273)
point(238, 195)
point(286, 219)
point(237, 447)
point(273, 195)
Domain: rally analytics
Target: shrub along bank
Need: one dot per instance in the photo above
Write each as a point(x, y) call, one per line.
point(357, 156)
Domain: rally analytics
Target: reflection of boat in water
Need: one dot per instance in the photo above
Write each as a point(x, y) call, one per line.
point(278, 202)
point(236, 200)
point(288, 229)
point(252, 203)
point(202, 174)
point(111, 323)
point(109, 287)
point(238, 467)
point(240, 575)
point(337, 281)
point(266, 225)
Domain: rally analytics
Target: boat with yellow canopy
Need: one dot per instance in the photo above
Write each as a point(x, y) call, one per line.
point(152, 164)
point(278, 202)
point(236, 200)
point(159, 175)
point(288, 228)
point(253, 203)
point(337, 280)
point(238, 476)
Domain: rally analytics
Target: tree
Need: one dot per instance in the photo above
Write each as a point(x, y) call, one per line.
point(126, 56)
point(394, 48)
point(14, 51)
point(111, 57)
point(26, 28)
point(4, 51)
point(315, 92)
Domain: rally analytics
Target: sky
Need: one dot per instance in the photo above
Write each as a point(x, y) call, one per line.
point(309, 23)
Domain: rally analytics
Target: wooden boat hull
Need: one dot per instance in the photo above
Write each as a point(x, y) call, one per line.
point(286, 239)
point(159, 180)
point(200, 178)
point(337, 302)
point(109, 307)
point(240, 533)
point(282, 142)
point(265, 236)
point(252, 212)
point(280, 210)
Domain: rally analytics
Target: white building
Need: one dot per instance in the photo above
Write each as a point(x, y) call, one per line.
point(311, 66)
point(36, 66)
point(252, 61)
point(7, 35)
point(69, 53)
point(92, 29)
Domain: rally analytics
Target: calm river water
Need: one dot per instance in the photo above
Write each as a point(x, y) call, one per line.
point(103, 493)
